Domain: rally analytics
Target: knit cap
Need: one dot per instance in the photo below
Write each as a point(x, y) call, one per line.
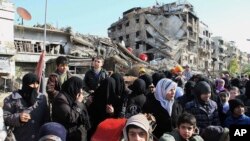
point(52, 130)
point(233, 103)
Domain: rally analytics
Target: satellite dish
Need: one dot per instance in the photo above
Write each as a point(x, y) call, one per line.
point(23, 13)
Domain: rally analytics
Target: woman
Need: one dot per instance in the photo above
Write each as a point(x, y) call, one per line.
point(164, 107)
point(137, 98)
point(121, 95)
point(69, 110)
point(102, 106)
point(26, 110)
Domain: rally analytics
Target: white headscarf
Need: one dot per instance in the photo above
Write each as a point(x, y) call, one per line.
point(162, 87)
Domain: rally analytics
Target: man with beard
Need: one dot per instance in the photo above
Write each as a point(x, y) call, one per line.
point(26, 110)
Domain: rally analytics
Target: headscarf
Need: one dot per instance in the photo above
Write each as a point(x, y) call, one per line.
point(218, 87)
point(120, 94)
point(188, 89)
point(200, 88)
point(138, 87)
point(103, 95)
point(157, 77)
point(106, 90)
point(72, 87)
point(29, 94)
point(120, 84)
point(162, 88)
point(147, 78)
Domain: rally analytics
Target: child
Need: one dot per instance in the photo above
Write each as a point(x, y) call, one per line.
point(137, 128)
point(223, 112)
point(216, 133)
point(186, 129)
point(237, 116)
point(52, 131)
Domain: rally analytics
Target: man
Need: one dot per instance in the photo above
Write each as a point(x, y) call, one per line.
point(94, 75)
point(57, 78)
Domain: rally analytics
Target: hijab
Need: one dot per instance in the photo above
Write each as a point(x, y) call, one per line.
point(162, 88)
point(28, 93)
point(119, 84)
point(71, 88)
point(106, 91)
point(138, 87)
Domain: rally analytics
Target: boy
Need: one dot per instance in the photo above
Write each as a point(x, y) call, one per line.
point(95, 75)
point(186, 129)
point(237, 116)
point(57, 78)
point(137, 128)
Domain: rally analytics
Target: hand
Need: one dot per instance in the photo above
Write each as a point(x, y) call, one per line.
point(24, 117)
point(109, 109)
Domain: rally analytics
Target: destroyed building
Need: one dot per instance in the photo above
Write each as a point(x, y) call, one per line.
point(170, 34)
point(171, 31)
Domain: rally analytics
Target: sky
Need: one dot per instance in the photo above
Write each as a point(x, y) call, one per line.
point(229, 19)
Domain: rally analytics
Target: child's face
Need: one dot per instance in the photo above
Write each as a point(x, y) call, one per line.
point(224, 98)
point(233, 94)
point(186, 130)
point(62, 68)
point(137, 134)
point(98, 63)
point(239, 110)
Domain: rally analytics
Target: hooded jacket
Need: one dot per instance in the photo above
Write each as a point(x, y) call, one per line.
point(141, 121)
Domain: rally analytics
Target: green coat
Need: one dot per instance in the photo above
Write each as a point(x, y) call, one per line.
point(175, 136)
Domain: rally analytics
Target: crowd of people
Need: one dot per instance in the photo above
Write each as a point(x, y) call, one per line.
point(174, 105)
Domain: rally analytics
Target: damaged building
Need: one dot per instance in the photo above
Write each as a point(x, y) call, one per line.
point(21, 47)
point(172, 34)
point(171, 31)
point(169, 34)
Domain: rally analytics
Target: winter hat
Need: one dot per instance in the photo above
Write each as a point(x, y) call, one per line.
point(202, 87)
point(157, 77)
point(52, 130)
point(189, 86)
point(139, 120)
point(213, 133)
point(233, 103)
point(147, 78)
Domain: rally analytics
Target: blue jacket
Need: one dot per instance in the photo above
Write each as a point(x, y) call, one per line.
point(243, 119)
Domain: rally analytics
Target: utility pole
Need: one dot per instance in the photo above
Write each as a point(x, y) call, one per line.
point(44, 49)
